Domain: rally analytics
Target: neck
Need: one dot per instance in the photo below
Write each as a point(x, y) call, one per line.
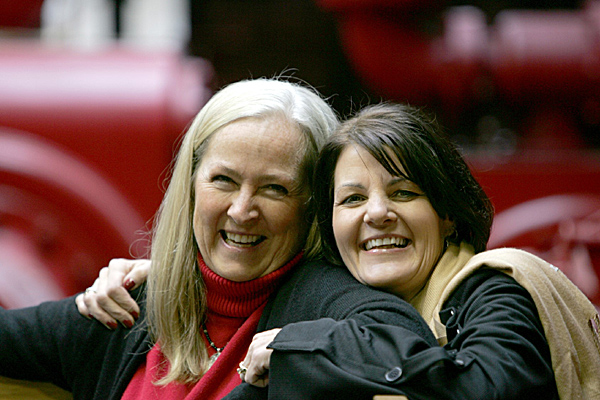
point(240, 299)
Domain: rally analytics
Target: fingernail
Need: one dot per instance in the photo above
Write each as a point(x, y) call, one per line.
point(135, 314)
point(90, 316)
point(128, 284)
point(112, 325)
point(127, 323)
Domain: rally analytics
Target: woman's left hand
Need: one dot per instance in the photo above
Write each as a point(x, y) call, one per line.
point(258, 359)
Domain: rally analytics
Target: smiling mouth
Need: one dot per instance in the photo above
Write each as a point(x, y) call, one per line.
point(234, 239)
point(385, 243)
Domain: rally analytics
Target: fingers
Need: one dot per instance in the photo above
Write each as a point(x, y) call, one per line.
point(96, 311)
point(111, 298)
point(242, 371)
point(81, 307)
point(137, 275)
point(101, 306)
point(258, 359)
point(257, 370)
point(108, 300)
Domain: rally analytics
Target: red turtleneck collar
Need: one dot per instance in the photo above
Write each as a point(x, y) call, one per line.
point(240, 299)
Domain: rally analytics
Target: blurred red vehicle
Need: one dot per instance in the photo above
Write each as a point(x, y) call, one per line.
point(85, 140)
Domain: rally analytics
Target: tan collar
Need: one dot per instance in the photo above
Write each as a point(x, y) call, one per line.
point(427, 300)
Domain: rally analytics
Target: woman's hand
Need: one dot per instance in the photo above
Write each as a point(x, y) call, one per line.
point(108, 299)
point(258, 359)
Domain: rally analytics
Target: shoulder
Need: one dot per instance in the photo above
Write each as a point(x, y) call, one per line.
point(325, 273)
point(319, 289)
point(316, 277)
point(328, 281)
point(486, 282)
point(510, 260)
point(503, 269)
point(493, 304)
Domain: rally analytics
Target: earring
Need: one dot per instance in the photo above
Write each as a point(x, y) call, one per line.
point(451, 238)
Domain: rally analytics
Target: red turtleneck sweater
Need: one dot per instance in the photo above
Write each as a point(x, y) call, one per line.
point(234, 309)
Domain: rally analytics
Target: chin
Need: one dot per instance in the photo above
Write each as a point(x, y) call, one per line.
point(381, 283)
point(236, 274)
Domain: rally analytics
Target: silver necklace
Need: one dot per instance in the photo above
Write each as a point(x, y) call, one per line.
point(218, 350)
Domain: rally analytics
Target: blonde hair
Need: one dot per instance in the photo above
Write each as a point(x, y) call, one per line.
point(176, 300)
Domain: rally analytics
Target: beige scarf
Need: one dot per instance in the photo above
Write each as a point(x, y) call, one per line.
point(571, 323)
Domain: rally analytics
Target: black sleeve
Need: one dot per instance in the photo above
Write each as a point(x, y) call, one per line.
point(498, 351)
point(41, 342)
point(52, 342)
point(245, 391)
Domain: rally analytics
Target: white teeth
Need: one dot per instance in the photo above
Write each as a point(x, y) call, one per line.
point(388, 241)
point(242, 239)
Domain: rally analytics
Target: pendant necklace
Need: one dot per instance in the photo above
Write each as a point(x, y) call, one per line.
point(218, 350)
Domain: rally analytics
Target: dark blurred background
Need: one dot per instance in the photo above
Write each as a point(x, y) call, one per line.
point(94, 95)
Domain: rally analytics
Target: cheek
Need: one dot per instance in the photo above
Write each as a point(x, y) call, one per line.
point(335, 224)
point(199, 226)
point(426, 222)
point(293, 219)
point(343, 236)
point(285, 222)
point(286, 218)
point(206, 214)
point(433, 233)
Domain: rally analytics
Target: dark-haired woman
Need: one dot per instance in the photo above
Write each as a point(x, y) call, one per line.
point(401, 210)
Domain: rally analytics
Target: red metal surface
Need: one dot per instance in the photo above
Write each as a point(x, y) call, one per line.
point(119, 110)
point(85, 139)
point(548, 203)
point(513, 179)
point(562, 229)
point(454, 60)
point(58, 220)
point(20, 13)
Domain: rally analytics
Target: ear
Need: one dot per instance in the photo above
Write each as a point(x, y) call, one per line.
point(447, 227)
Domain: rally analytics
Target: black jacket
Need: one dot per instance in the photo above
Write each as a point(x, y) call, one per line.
point(53, 342)
point(496, 350)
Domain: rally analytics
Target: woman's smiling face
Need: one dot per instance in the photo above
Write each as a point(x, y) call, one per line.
point(386, 230)
point(250, 198)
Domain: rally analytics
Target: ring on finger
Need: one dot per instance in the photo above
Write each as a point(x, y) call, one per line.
point(89, 290)
point(242, 370)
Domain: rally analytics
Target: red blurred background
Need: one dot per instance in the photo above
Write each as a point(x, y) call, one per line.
point(87, 131)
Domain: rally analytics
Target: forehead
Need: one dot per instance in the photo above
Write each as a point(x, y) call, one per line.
point(355, 159)
point(272, 141)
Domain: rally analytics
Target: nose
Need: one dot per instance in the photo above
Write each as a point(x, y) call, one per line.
point(243, 208)
point(378, 212)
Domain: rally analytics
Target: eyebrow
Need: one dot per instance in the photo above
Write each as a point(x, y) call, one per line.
point(399, 179)
point(396, 180)
point(350, 185)
point(284, 178)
